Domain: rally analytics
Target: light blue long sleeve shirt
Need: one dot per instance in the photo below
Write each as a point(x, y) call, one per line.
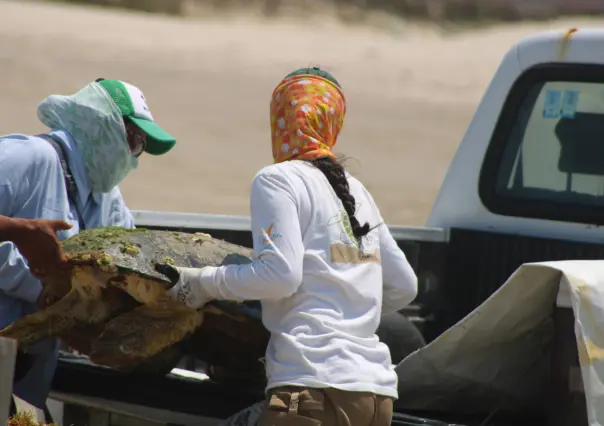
point(32, 186)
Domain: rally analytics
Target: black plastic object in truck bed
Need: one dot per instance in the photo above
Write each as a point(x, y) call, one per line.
point(75, 375)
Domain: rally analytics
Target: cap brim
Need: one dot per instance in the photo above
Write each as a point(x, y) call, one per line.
point(159, 141)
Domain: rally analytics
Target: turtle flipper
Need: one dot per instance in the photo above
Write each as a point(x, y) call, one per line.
point(83, 304)
point(160, 364)
point(50, 321)
point(144, 332)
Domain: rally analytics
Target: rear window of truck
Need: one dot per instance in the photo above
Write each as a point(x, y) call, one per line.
point(546, 157)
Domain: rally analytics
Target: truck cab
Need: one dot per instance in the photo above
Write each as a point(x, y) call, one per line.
point(527, 181)
point(526, 185)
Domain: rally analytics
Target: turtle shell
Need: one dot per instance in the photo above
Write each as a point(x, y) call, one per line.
point(111, 305)
point(138, 250)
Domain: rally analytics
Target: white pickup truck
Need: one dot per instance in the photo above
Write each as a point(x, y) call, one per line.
point(526, 185)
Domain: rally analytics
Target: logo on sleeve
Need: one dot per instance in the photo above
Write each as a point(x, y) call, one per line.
point(268, 236)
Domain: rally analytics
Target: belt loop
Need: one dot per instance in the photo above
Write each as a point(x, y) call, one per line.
point(293, 403)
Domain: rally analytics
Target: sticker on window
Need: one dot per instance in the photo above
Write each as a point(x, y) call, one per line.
point(552, 104)
point(569, 103)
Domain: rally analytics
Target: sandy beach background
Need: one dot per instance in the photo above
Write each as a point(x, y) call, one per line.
point(411, 89)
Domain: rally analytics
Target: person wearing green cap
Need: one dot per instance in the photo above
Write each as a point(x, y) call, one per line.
point(71, 174)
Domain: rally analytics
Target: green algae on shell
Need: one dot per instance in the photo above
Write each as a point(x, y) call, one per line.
point(105, 259)
point(94, 240)
point(129, 249)
point(169, 261)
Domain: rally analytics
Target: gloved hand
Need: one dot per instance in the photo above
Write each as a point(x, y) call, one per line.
point(37, 241)
point(188, 288)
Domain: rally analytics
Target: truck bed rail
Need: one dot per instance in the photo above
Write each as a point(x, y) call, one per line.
point(157, 219)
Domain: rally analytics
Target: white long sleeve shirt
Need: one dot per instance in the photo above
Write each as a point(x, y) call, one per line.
point(322, 296)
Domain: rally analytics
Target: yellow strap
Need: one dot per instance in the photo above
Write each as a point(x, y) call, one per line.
point(565, 43)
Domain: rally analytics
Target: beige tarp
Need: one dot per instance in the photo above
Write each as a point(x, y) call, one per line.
point(498, 355)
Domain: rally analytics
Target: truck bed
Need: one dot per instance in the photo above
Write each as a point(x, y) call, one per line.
point(185, 400)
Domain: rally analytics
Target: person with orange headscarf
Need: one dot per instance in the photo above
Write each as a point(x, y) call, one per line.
point(325, 269)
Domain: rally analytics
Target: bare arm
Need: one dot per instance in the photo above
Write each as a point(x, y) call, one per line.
point(36, 240)
point(8, 226)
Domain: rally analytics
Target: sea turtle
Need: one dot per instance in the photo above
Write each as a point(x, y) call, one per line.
point(110, 304)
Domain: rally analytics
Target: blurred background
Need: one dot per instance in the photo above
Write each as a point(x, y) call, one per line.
point(413, 72)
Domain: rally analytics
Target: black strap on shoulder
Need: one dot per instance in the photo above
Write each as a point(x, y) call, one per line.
point(70, 184)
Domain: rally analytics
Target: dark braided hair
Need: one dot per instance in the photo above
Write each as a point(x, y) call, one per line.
point(333, 170)
point(336, 175)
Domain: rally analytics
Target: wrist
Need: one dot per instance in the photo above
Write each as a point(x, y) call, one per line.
point(199, 282)
point(206, 281)
point(10, 227)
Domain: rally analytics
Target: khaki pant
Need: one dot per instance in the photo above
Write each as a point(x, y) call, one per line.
point(293, 406)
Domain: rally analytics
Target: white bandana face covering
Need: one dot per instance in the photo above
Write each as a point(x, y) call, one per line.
point(96, 124)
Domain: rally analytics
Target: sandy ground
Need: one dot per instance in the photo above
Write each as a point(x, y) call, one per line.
point(411, 93)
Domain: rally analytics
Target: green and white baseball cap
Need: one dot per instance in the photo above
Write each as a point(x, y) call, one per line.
point(132, 103)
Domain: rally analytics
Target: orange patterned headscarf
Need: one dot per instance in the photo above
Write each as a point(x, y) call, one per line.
point(307, 115)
